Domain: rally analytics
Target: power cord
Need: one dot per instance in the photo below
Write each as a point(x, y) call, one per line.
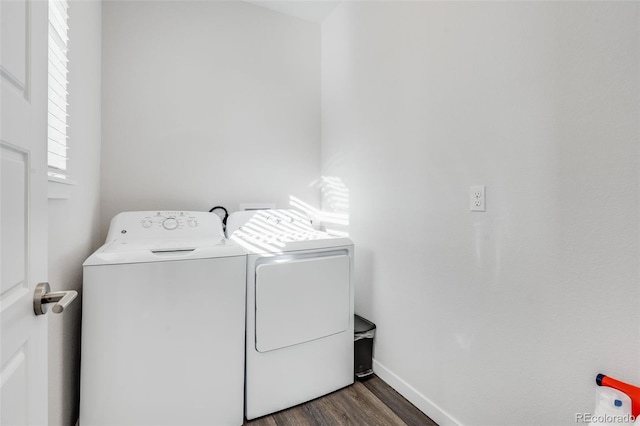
point(226, 215)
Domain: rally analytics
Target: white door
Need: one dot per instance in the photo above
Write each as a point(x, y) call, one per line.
point(23, 210)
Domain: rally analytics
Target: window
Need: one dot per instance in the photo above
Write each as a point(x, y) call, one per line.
point(57, 118)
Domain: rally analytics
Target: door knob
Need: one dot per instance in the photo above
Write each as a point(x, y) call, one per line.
point(43, 295)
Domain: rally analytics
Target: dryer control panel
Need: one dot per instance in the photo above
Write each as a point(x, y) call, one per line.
point(165, 224)
point(271, 222)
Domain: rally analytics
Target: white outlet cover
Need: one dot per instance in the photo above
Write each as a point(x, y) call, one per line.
point(477, 199)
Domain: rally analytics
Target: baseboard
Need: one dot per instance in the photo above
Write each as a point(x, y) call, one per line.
point(412, 395)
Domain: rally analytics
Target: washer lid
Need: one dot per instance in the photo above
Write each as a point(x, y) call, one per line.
point(145, 250)
point(159, 244)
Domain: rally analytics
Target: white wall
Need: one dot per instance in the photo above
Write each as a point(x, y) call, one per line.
point(74, 222)
point(502, 317)
point(207, 103)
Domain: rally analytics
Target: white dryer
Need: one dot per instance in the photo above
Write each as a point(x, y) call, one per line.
point(299, 309)
point(163, 323)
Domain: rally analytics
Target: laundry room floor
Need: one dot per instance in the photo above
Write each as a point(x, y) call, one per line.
point(368, 403)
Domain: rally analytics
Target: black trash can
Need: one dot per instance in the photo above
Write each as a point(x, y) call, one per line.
point(363, 333)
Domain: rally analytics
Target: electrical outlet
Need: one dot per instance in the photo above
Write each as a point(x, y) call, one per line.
point(477, 198)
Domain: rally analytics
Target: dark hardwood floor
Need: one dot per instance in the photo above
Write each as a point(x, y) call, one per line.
point(368, 403)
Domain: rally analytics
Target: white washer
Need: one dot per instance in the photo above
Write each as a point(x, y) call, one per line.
point(299, 309)
point(163, 323)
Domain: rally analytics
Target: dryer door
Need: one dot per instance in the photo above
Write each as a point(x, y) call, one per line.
point(301, 300)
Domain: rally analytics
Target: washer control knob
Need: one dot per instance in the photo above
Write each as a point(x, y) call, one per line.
point(193, 223)
point(147, 223)
point(170, 224)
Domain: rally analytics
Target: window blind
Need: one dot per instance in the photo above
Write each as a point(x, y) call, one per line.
point(57, 118)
